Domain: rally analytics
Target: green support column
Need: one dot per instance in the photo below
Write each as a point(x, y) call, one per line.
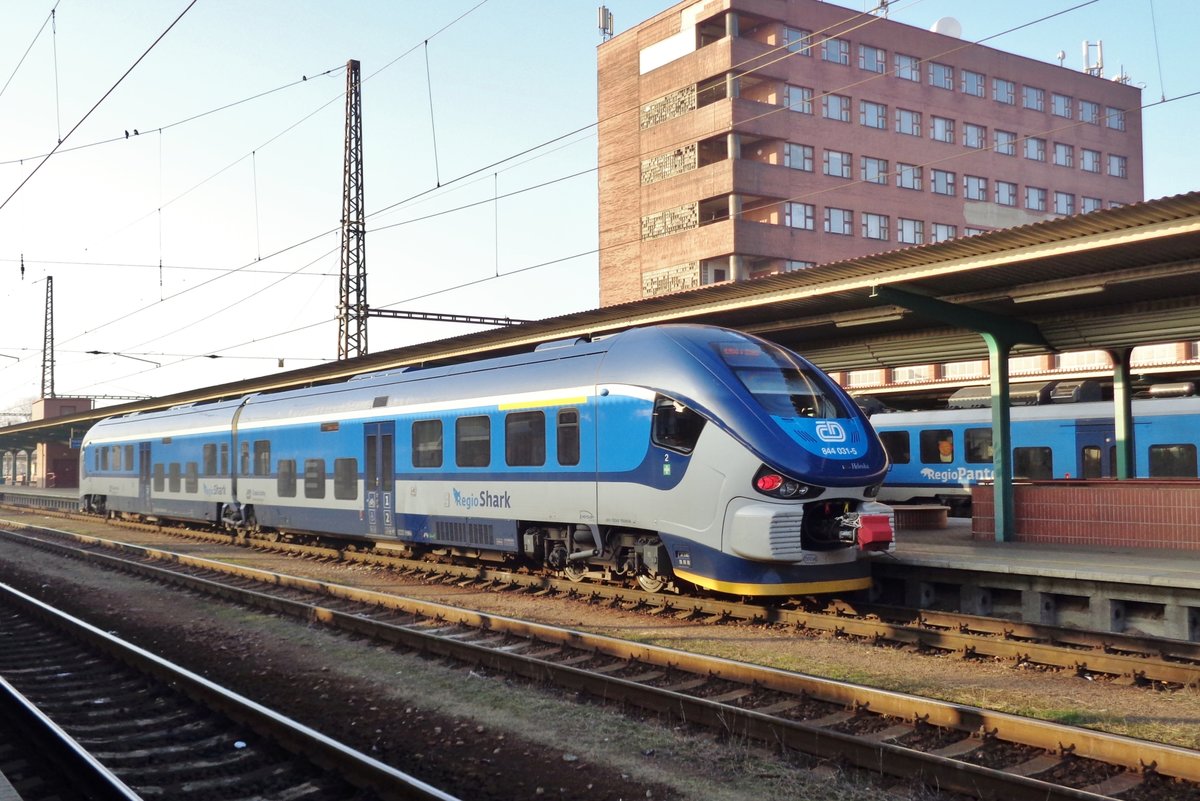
point(1005, 511)
point(1123, 413)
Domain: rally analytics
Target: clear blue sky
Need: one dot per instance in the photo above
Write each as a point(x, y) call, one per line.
point(255, 185)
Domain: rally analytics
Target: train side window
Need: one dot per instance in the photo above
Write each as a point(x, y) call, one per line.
point(285, 481)
point(345, 479)
point(224, 458)
point(1173, 461)
point(262, 457)
point(937, 445)
point(210, 460)
point(245, 471)
point(96, 458)
point(160, 482)
point(427, 443)
point(314, 478)
point(979, 445)
point(191, 482)
point(568, 436)
point(525, 439)
point(173, 476)
point(128, 457)
point(104, 458)
point(675, 426)
point(1090, 462)
point(116, 457)
point(897, 446)
point(473, 441)
point(1034, 464)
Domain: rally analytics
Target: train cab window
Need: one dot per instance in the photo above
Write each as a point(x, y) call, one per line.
point(525, 439)
point(346, 479)
point(245, 467)
point(191, 475)
point(675, 426)
point(160, 478)
point(224, 458)
point(937, 446)
point(1090, 462)
point(979, 445)
point(210, 460)
point(784, 387)
point(1033, 464)
point(285, 480)
point(1173, 461)
point(129, 457)
point(173, 477)
point(568, 436)
point(427, 443)
point(314, 478)
point(897, 446)
point(473, 441)
point(262, 457)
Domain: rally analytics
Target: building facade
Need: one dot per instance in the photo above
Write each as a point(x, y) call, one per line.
point(743, 138)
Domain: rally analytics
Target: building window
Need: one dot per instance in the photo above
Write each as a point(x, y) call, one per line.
point(968, 231)
point(1089, 112)
point(974, 136)
point(798, 98)
point(836, 107)
point(1060, 105)
point(1006, 193)
point(972, 83)
point(798, 157)
point(1035, 198)
point(836, 51)
point(1035, 149)
point(908, 176)
point(942, 182)
point(473, 441)
point(910, 232)
point(1117, 165)
point(1064, 155)
point(941, 129)
point(908, 122)
point(872, 115)
point(1033, 98)
point(875, 226)
point(941, 75)
point(1003, 91)
point(839, 221)
point(1006, 143)
point(800, 215)
point(1088, 204)
point(975, 187)
point(837, 163)
point(1064, 203)
point(798, 41)
point(908, 68)
point(874, 171)
point(941, 232)
point(791, 265)
point(1089, 160)
point(525, 439)
point(871, 59)
point(1114, 118)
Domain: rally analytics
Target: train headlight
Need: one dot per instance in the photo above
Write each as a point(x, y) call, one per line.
point(776, 485)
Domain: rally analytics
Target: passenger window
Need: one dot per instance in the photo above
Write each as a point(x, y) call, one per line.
point(979, 445)
point(1090, 462)
point(314, 478)
point(568, 436)
point(675, 426)
point(173, 477)
point(224, 458)
point(116, 457)
point(1033, 464)
point(104, 458)
point(245, 471)
point(525, 439)
point(191, 475)
point(896, 445)
point(285, 481)
point(160, 482)
point(262, 457)
point(937, 446)
point(128, 457)
point(345, 479)
point(1173, 461)
point(210, 460)
point(427, 443)
point(473, 441)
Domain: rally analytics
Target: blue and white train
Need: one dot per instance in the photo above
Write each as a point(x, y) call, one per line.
point(668, 455)
point(941, 454)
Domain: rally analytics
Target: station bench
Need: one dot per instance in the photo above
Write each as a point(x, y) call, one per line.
point(920, 515)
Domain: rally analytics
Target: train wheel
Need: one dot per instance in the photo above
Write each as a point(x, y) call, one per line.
point(575, 571)
point(651, 583)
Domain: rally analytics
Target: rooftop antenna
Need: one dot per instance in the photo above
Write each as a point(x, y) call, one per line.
point(1061, 56)
point(1091, 67)
point(604, 18)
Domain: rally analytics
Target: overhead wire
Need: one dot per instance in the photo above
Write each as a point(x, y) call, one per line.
point(25, 55)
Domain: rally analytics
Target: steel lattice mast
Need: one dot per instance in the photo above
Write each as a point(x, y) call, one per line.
point(352, 306)
point(48, 342)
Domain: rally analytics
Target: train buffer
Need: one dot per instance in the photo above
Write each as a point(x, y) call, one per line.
point(920, 516)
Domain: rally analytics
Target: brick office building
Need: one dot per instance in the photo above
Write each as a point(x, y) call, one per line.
point(741, 138)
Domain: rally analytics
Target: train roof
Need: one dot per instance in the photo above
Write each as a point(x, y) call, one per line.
point(1144, 407)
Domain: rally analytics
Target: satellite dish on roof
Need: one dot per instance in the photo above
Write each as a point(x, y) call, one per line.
point(948, 26)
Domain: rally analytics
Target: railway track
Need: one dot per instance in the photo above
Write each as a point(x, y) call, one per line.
point(953, 747)
point(111, 721)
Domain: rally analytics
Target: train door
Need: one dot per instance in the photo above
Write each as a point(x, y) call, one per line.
point(1092, 440)
point(144, 474)
point(379, 473)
